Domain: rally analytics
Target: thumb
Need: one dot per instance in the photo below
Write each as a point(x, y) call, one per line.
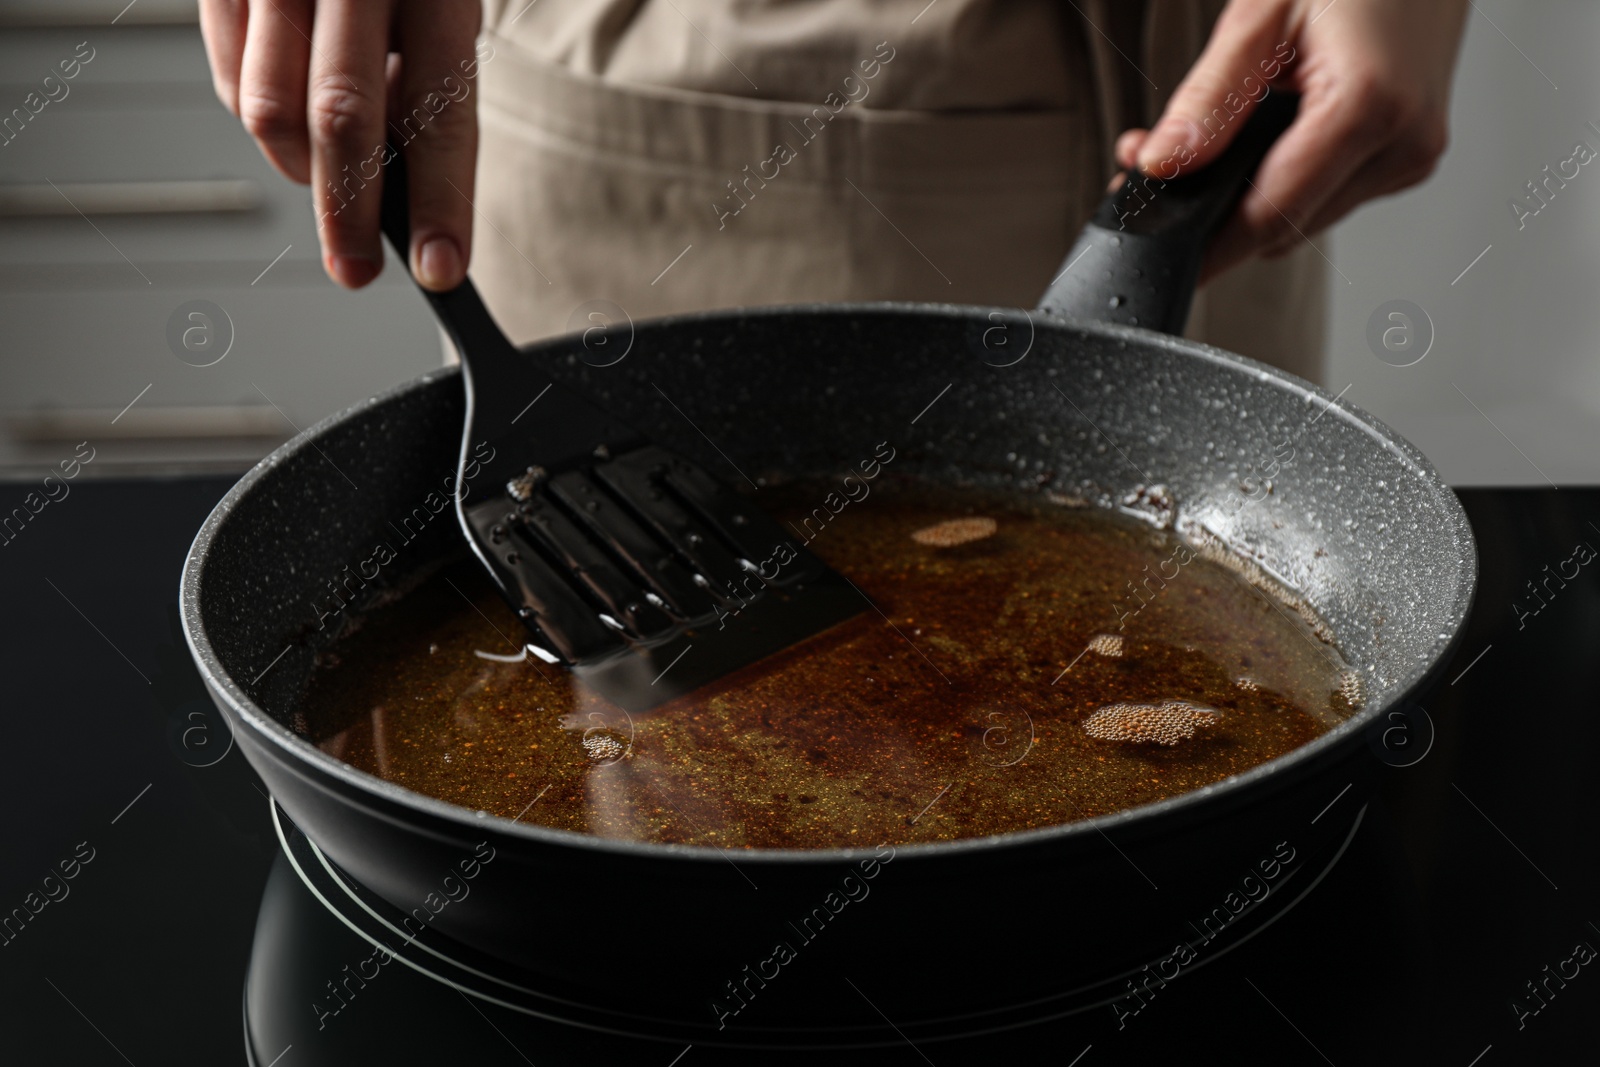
point(1248, 48)
point(1126, 152)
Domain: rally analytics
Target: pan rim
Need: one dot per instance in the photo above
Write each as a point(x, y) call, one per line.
point(306, 757)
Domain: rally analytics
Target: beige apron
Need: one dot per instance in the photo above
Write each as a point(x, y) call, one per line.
point(676, 155)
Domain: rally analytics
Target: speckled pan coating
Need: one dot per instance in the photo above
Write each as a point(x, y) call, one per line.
point(1321, 496)
point(1313, 492)
point(1357, 522)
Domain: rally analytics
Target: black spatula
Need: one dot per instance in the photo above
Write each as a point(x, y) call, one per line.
point(627, 563)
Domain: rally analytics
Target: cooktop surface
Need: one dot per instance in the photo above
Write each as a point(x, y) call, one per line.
point(156, 908)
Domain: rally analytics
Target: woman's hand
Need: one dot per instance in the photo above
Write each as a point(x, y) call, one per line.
point(1374, 78)
point(316, 85)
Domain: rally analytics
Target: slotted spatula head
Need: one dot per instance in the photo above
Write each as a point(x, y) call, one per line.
point(628, 564)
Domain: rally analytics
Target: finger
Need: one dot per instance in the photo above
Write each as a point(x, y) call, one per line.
point(1238, 241)
point(1332, 140)
point(437, 118)
point(1246, 49)
point(272, 83)
point(345, 112)
point(1397, 167)
point(223, 26)
point(1126, 152)
point(1250, 232)
point(1328, 143)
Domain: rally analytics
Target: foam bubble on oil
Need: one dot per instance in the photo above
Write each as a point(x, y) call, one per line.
point(1166, 723)
point(954, 532)
point(602, 747)
point(1109, 645)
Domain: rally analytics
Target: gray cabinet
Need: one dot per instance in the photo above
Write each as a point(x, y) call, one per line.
point(129, 196)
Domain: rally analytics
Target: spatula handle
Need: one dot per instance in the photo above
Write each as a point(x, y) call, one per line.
point(461, 310)
point(501, 382)
point(1138, 258)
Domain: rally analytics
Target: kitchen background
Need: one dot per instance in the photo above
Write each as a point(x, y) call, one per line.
point(136, 195)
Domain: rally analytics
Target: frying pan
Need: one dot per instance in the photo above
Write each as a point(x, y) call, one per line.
point(1079, 396)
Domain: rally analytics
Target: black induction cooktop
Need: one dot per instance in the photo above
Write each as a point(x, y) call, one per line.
point(153, 908)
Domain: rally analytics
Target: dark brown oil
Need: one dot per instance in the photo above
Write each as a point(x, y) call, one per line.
point(953, 707)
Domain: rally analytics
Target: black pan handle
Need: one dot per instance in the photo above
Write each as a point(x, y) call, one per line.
point(1137, 260)
point(460, 311)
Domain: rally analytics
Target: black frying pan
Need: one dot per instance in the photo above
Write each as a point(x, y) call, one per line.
point(954, 937)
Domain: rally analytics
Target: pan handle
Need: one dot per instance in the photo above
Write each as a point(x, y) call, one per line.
point(1137, 260)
